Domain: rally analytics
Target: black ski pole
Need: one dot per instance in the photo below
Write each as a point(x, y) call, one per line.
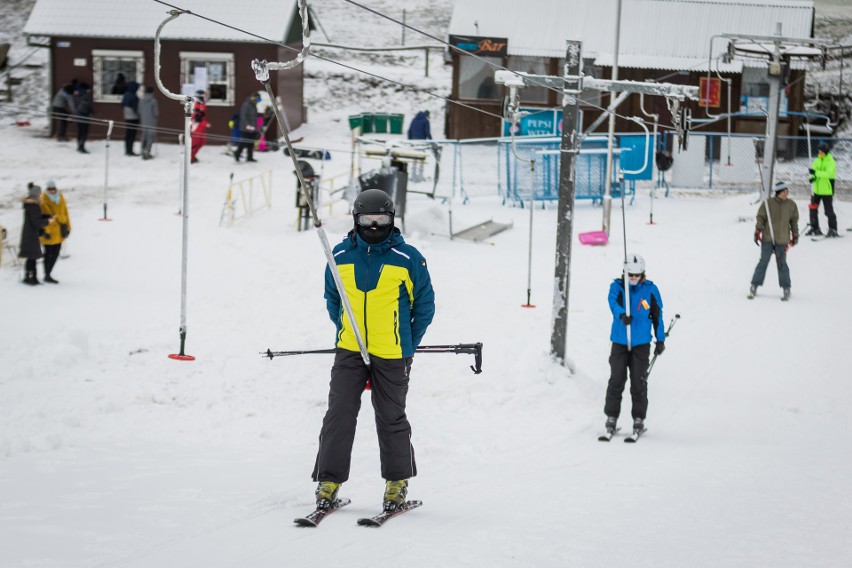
point(473, 348)
point(654, 358)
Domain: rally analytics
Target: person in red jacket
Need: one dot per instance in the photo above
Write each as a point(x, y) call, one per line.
point(199, 125)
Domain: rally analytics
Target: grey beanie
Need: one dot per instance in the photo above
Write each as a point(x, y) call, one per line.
point(33, 191)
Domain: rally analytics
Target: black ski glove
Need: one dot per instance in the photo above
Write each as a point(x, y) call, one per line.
point(811, 171)
point(625, 319)
point(659, 348)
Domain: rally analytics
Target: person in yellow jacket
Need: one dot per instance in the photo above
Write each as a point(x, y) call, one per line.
point(822, 174)
point(53, 204)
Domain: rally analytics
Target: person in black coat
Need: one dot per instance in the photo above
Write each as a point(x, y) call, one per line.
point(34, 223)
point(248, 127)
point(83, 110)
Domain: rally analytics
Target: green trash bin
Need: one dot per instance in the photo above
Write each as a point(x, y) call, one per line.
point(380, 123)
point(366, 123)
point(395, 122)
point(355, 121)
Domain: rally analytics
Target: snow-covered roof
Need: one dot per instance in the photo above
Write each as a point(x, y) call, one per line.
point(139, 19)
point(655, 34)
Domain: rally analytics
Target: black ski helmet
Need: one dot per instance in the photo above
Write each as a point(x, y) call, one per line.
point(824, 148)
point(372, 201)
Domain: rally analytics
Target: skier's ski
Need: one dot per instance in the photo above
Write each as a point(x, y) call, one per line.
point(606, 437)
point(632, 438)
point(313, 519)
point(825, 238)
point(384, 516)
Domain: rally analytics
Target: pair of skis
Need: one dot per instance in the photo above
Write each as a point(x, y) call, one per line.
point(314, 518)
point(630, 439)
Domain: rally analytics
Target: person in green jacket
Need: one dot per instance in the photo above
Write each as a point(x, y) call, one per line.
point(822, 174)
point(774, 233)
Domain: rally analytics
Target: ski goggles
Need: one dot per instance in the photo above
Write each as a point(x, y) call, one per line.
point(378, 219)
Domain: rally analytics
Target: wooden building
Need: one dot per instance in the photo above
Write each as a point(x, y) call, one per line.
point(660, 40)
point(109, 42)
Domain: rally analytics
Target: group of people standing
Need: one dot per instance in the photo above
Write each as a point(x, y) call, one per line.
point(46, 224)
point(73, 102)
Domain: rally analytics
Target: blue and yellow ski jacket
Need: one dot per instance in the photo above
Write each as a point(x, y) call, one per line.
point(646, 307)
point(390, 291)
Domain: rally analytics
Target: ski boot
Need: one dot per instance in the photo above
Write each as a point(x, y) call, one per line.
point(610, 424)
point(813, 232)
point(326, 493)
point(638, 426)
point(752, 291)
point(395, 493)
point(786, 295)
point(832, 233)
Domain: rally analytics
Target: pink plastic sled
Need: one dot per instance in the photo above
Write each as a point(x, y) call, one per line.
point(593, 238)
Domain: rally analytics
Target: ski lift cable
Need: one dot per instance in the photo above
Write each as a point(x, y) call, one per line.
point(406, 86)
point(485, 60)
point(261, 70)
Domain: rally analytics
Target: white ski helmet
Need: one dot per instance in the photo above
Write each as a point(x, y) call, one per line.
point(635, 264)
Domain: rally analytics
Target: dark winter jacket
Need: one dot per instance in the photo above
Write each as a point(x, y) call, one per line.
point(419, 128)
point(63, 100)
point(83, 105)
point(34, 223)
point(646, 309)
point(390, 292)
point(248, 116)
point(785, 220)
point(130, 101)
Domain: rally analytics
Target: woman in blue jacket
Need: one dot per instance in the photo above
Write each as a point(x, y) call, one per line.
point(645, 319)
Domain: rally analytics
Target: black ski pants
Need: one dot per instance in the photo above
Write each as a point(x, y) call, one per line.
point(130, 128)
point(620, 360)
point(389, 387)
point(828, 208)
point(51, 255)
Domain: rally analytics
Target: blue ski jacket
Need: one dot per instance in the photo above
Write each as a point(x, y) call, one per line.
point(646, 307)
point(390, 292)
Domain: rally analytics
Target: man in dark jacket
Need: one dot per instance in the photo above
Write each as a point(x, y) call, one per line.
point(645, 319)
point(130, 107)
point(248, 127)
point(62, 108)
point(390, 291)
point(34, 224)
point(83, 107)
point(777, 231)
point(419, 128)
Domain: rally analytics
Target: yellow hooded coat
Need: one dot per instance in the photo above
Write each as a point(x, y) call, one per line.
point(53, 232)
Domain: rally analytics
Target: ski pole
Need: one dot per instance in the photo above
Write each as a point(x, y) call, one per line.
point(473, 348)
point(653, 359)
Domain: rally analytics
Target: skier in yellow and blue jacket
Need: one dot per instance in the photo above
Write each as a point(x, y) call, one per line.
point(646, 322)
point(389, 289)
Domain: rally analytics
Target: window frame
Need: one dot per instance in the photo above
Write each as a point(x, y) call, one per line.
point(187, 57)
point(98, 57)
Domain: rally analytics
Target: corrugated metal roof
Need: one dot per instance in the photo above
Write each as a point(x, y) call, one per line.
point(139, 19)
point(664, 29)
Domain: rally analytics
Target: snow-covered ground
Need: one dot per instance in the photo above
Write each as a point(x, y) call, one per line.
point(112, 454)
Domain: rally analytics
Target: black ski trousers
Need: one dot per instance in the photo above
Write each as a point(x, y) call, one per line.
point(620, 360)
point(389, 387)
point(51, 255)
point(828, 206)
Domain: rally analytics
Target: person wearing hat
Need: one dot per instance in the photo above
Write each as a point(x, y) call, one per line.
point(388, 286)
point(776, 230)
point(130, 110)
point(34, 223)
point(822, 174)
point(248, 127)
point(149, 114)
point(53, 205)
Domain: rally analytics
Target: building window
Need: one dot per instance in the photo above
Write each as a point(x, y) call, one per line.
point(113, 70)
point(533, 66)
point(755, 82)
point(209, 72)
point(476, 78)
